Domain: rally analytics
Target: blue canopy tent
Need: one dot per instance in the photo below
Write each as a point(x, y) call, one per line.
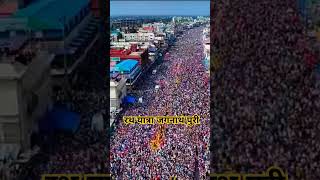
point(60, 119)
point(129, 100)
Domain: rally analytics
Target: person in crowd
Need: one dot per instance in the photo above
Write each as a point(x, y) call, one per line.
point(265, 104)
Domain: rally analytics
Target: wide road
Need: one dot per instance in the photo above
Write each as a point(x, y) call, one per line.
point(184, 90)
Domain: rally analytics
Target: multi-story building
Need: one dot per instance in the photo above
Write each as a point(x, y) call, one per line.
point(25, 83)
point(69, 34)
point(129, 69)
point(126, 45)
point(118, 91)
point(140, 36)
point(141, 55)
point(25, 94)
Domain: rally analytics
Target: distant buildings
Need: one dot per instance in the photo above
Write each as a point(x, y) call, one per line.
point(141, 55)
point(140, 37)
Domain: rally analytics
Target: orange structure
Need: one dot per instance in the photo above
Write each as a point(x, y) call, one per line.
point(158, 140)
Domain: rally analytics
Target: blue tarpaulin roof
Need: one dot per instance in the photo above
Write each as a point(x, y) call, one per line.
point(126, 65)
point(60, 118)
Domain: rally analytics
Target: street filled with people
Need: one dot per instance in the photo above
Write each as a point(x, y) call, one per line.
point(265, 98)
point(184, 90)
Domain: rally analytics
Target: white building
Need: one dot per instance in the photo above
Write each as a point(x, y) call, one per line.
point(25, 94)
point(127, 45)
point(140, 36)
point(118, 91)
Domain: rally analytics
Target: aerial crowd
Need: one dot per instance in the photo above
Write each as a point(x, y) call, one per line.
point(184, 90)
point(264, 104)
point(265, 100)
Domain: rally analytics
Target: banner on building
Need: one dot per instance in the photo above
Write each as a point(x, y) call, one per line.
point(115, 59)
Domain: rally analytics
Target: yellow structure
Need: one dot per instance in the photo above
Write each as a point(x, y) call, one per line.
point(156, 142)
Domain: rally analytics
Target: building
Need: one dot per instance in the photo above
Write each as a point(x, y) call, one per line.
point(68, 32)
point(126, 45)
point(25, 94)
point(141, 36)
point(141, 55)
point(26, 85)
point(118, 90)
point(57, 19)
point(128, 69)
point(115, 35)
point(127, 25)
point(161, 40)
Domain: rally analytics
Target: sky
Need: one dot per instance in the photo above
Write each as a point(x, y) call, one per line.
point(191, 8)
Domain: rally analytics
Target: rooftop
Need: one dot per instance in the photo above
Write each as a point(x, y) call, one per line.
point(48, 14)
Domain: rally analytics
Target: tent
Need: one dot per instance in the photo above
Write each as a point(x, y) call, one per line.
point(129, 99)
point(60, 118)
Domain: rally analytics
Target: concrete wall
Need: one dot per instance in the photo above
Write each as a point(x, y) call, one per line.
point(34, 95)
point(24, 101)
point(117, 93)
point(8, 98)
point(9, 112)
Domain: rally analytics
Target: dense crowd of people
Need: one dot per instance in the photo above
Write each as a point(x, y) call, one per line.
point(184, 90)
point(265, 103)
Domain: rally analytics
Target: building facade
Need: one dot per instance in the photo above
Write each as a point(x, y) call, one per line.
point(118, 91)
point(25, 97)
point(140, 36)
